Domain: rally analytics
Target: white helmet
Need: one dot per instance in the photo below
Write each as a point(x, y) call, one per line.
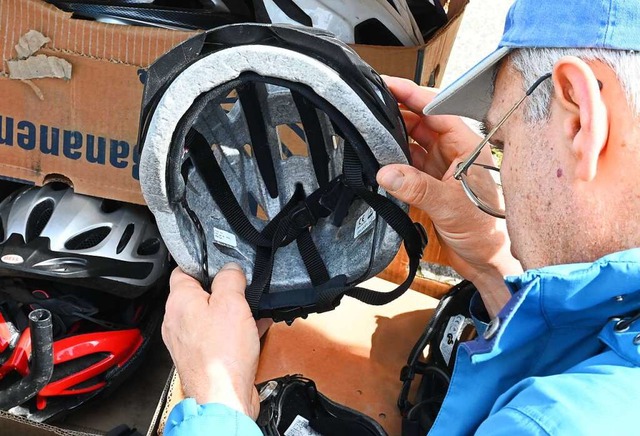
point(374, 22)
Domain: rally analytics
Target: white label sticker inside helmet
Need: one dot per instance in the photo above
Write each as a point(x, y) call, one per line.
point(365, 222)
point(12, 259)
point(300, 427)
point(452, 334)
point(225, 238)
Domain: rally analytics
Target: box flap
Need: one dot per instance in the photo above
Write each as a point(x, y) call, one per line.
point(85, 129)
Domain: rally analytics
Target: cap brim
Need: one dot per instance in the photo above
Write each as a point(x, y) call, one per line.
point(470, 95)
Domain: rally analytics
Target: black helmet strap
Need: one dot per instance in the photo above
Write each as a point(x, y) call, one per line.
point(293, 224)
point(302, 211)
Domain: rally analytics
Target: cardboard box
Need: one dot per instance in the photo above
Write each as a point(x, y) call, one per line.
point(81, 130)
point(84, 130)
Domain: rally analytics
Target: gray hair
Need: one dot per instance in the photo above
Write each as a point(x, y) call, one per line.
point(535, 62)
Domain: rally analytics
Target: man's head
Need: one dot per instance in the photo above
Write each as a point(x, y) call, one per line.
point(571, 151)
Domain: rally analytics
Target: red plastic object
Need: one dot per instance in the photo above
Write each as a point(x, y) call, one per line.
point(19, 359)
point(5, 334)
point(118, 346)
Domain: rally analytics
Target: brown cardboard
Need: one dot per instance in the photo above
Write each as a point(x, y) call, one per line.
point(29, 43)
point(39, 67)
point(93, 117)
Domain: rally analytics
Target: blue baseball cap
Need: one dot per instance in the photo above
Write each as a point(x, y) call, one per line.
point(611, 24)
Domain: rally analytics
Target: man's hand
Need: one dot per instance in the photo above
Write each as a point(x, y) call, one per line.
point(476, 244)
point(214, 340)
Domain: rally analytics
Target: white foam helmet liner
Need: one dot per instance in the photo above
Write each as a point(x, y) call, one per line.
point(225, 66)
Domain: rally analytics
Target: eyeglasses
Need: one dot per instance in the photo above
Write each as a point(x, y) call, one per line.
point(482, 182)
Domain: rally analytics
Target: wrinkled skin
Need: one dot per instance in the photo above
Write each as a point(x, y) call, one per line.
point(214, 340)
point(476, 244)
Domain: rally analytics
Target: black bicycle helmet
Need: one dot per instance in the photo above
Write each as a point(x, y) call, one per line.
point(293, 402)
point(55, 233)
point(450, 325)
point(257, 136)
point(170, 14)
point(429, 14)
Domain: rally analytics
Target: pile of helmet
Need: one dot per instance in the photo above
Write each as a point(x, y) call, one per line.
point(82, 283)
point(373, 22)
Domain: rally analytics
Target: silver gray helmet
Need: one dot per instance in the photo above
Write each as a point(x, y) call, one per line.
point(53, 233)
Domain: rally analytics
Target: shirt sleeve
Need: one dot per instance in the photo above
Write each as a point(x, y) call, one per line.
point(192, 419)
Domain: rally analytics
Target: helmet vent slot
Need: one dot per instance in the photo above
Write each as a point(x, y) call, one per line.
point(248, 150)
point(293, 141)
point(110, 206)
point(255, 208)
point(38, 219)
point(88, 239)
point(74, 366)
point(393, 5)
point(229, 101)
point(149, 247)
point(126, 237)
point(374, 32)
point(337, 141)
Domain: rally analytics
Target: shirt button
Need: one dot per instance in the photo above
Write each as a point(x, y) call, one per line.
point(492, 328)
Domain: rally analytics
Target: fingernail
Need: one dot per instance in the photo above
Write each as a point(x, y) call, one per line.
point(231, 266)
point(392, 180)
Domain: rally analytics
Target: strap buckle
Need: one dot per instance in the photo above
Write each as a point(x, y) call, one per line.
point(331, 193)
point(289, 314)
point(407, 373)
point(320, 204)
point(289, 305)
point(301, 216)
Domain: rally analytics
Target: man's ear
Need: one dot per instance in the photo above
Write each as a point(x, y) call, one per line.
point(586, 123)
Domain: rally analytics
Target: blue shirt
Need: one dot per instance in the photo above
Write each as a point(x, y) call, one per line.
point(189, 418)
point(551, 363)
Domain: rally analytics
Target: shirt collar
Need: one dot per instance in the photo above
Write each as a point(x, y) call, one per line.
point(584, 293)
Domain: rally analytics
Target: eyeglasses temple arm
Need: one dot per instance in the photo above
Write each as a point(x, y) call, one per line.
point(464, 166)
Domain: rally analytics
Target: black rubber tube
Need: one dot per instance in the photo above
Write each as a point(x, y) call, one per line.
point(41, 366)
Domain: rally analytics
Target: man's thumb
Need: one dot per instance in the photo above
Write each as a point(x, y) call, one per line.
point(408, 184)
point(230, 278)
